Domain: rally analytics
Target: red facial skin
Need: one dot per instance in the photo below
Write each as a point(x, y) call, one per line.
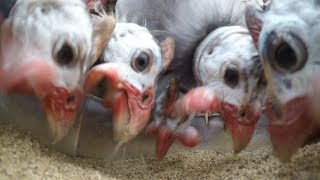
point(36, 79)
point(289, 126)
point(165, 137)
point(62, 105)
point(35, 75)
point(138, 104)
point(241, 128)
point(204, 100)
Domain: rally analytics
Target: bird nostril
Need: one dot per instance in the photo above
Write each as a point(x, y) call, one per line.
point(145, 97)
point(242, 118)
point(71, 99)
point(242, 114)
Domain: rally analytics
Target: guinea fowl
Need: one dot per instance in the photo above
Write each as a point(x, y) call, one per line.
point(46, 48)
point(286, 35)
point(188, 23)
point(230, 77)
point(125, 76)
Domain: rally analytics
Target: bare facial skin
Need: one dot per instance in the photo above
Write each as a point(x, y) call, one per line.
point(287, 35)
point(227, 62)
point(127, 73)
point(229, 73)
point(46, 48)
point(188, 23)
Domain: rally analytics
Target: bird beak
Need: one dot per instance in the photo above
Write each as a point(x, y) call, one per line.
point(27, 71)
point(165, 137)
point(61, 107)
point(241, 125)
point(36, 77)
point(196, 100)
point(289, 125)
point(131, 107)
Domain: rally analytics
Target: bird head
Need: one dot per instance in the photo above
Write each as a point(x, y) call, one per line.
point(287, 40)
point(227, 63)
point(127, 77)
point(46, 48)
point(230, 77)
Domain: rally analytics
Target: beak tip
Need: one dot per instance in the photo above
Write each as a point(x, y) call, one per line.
point(160, 155)
point(56, 139)
point(241, 137)
point(162, 152)
point(239, 146)
point(57, 130)
point(284, 157)
point(284, 152)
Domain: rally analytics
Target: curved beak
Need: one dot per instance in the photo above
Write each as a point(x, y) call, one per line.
point(131, 107)
point(166, 135)
point(36, 77)
point(61, 107)
point(200, 99)
point(27, 71)
point(290, 125)
point(241, 125)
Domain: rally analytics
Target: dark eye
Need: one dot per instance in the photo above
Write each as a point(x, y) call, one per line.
point(286, 54)
point(231, 77)
point(141, 62)
point(65, 54)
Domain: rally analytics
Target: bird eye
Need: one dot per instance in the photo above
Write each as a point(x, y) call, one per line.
point(286, 54)
point(64, 54)
point(141, 62)
point(231, 77)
